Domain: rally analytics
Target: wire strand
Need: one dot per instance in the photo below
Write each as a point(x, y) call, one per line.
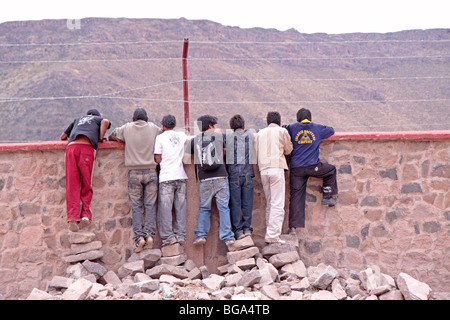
point(220, 42)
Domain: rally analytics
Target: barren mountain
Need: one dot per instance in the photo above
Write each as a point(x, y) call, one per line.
point(52, 72)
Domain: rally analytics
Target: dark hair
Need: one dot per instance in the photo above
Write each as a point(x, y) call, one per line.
point(205, 121)
point(169, 121)
point(93, 112)
point(140, 114)
point(237, 122)
point(303, 114)
point(273, 117)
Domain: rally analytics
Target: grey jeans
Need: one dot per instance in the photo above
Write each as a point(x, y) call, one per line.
point(172, 194)
point(143, 192)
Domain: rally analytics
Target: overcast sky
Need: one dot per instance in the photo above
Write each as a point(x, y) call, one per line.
point(306, 16)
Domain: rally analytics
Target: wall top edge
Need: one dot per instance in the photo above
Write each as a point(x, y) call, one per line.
point(397, 135)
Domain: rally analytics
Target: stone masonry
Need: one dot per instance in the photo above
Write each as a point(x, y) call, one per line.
point(393, 212)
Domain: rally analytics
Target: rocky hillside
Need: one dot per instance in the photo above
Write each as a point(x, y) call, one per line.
point(355, 82)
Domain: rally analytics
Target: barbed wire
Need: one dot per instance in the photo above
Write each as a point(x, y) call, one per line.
point(222, 59)
point(220, 42)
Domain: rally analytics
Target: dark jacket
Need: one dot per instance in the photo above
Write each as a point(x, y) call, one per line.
point(306, 138)
point(241, 152)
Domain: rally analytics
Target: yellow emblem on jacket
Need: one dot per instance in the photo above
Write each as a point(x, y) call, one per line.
point(305, 136)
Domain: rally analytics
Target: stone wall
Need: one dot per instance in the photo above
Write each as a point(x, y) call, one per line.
point(393, 210)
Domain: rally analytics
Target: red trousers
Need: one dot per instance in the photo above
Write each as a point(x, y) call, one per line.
point(79, 165)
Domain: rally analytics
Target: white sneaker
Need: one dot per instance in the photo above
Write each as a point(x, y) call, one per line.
point(274, 240)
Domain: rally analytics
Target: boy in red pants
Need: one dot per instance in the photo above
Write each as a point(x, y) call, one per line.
point(83, 134)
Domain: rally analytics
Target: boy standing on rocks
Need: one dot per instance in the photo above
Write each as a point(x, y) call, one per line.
point(83, 134)
point(207, 148)
point(274, 143)
point(169, 151)
point(139, 137)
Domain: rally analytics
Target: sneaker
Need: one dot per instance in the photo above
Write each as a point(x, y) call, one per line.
point(73, 226)
point(330, 202)
point(84, 223)
point(181, 240)
point(292, 231)
point(199, 241)
point(229, 242)
point(149, 243)
point(240, 236)
point(274, 240)
point(139, 245)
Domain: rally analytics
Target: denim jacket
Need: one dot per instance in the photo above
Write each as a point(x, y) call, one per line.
point(241, 152)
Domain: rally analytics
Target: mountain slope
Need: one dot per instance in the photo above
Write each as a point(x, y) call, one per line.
point(353, 82)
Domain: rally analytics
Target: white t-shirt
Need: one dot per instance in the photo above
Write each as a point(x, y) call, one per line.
point(170, 145)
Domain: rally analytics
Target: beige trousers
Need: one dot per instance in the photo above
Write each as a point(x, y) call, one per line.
point(274, 187)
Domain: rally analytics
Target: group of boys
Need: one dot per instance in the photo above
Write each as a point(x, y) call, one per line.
point(223, 166)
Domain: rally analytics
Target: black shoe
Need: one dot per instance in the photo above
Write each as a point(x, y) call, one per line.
point(330, 202)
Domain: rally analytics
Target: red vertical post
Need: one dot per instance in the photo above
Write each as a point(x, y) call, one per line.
point(185, 86)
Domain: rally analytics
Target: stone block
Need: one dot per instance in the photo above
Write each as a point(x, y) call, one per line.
point(95, 268)
point(161, 269)
point(369, 279)
point(167, 278)
point(337, 290)
point(112, 278)
point(59, 282)
point(232, 279)
point(235, 256)
point(81, 237)
point(323, 295)
point(195, 273)
point(246, 264)
point(391, 295)
point(140, 277)
point(411, 288)
point(85, 247)
point(275, 248)
point(241, 244)
point(130, 268)
point(268, 274)
point(150, 257)
point(77, 290)
point(325, 279)
point(297, 268)
point(302, 285)
point(204, 271)
point(249, 278)
point(174, 260)
point(270, 291)
point(213, 282)
point(280, 259)
point(172, 250)
point(90, 255)
point(37, 294)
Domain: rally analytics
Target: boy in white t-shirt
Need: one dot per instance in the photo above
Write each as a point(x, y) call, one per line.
point(169, 151)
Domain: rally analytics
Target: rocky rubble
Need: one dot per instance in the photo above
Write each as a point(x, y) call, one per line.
point(277, 272)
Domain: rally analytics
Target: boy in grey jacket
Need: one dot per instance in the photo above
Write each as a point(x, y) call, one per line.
point(139, 137)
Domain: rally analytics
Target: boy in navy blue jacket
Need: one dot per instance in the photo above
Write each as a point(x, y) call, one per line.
point(306, 137)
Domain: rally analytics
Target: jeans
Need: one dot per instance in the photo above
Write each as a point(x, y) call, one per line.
point(219, 189)
point(172, 193)
point(241, 199)
point(143, 192)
